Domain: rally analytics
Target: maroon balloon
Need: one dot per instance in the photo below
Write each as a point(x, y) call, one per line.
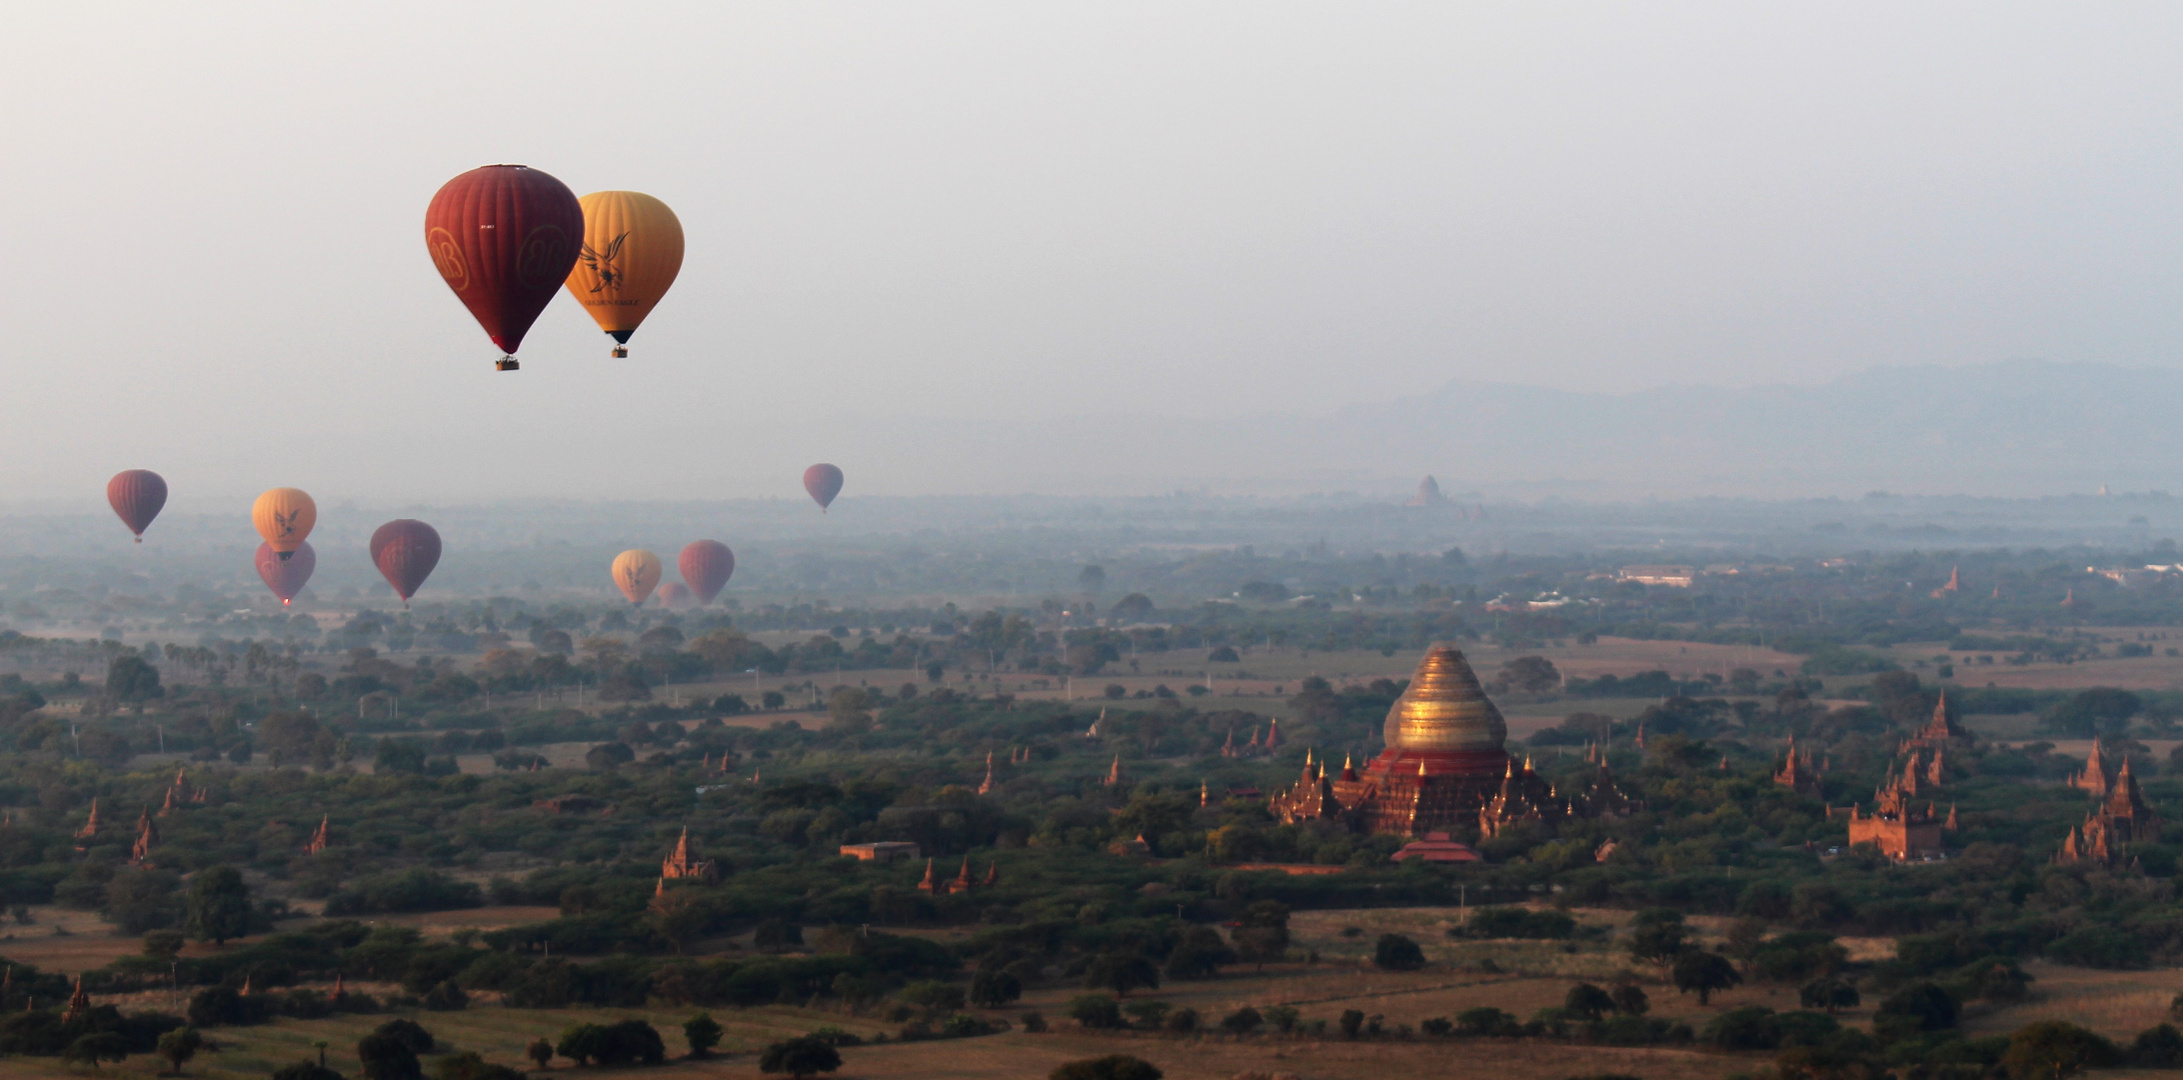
point(706, 565)
point(137, 496)
point(286, 576)
point(823, 481)
point(504, 238)
point(405, 552)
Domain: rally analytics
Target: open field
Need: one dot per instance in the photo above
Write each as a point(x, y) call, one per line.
point(1531, 975)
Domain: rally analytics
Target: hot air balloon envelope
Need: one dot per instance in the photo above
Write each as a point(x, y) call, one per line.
point(675, 596)
point(284, 517)
point(286, 576)
point(405, 552)
point(823, 481)
point(636, 574)
point(504, 238)
point(706, 565)
point(631, 252)
point(137, 496)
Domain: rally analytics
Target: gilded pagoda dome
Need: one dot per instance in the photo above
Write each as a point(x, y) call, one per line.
point(1444, 708)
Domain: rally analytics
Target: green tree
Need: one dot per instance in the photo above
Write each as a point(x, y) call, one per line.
point(1914, 1009)
point(1630, 999)
point(849, 710)
point(2055, 1050)
point(129, 678)
point(1262, 932)
point(1095, 1011)
point(387, 1058)
point(993, 989)
point(1394, 952)
point(800, 1057)
point(96, 1047)
point(1111, 1067)
point(1588, 1001)
point(178, 1046)
point(219, 905)
point(1828, 993)
point(1121, 973)
point(1529, 674)
point(1657, 935)
point(1243, 1021)
point(703, 1033)
point(469, 1065)
point(1704, 972)
point(1199, 955)
point(540, 1050)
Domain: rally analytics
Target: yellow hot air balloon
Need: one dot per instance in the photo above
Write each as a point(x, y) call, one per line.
point(284, 517)
point(631, 253)
point(636, 574)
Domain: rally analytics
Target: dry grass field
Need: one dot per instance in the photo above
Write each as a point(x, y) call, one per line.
point(1522, 978)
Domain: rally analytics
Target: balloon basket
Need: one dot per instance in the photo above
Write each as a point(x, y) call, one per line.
point(620, 353)
point(506, 363)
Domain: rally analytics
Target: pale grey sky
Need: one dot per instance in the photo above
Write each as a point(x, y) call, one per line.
point(217, 267)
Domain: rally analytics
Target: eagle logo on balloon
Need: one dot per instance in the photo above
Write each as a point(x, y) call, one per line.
point(602, 265)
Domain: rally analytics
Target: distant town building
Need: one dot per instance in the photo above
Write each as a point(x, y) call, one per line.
point(683, 862)
point(1899, 829)
point(1428, 494)
point(884, 851)
point(1797, 772)
point(91, 828)
point(1444, 768)
point(1681, 577)
point(1437, 848)
point(2121, 817)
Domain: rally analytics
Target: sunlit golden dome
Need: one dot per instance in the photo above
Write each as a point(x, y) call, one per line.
point(1445, 708)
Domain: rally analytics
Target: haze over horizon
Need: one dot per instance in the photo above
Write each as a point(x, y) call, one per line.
point(985, 248)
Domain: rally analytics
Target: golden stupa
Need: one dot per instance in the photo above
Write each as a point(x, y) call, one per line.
point(1445, 708)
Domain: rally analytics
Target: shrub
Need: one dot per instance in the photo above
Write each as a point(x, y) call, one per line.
point(1034, 1022)
point(1111, 1067)
point(800, 1057)
point(1753, 1027)
point(1484, 1020)
point(1917, 1008)
point(1394, 952)
point(1515, 922)
point(469, 1066)
point(1243, 1021)
point(1095, 1011)
point(1183, 1021)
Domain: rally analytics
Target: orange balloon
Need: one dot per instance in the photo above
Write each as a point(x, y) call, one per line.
point(631, 253)
point(636, 574)
point(284, 517)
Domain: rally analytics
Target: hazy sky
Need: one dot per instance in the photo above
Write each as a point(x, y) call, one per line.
point(217, 267)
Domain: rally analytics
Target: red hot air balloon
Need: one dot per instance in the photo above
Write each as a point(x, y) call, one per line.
point(405, 552)
point(823, 481)
point(286, 575)
point(504, 237)
point(137, 496)
point(706, 565)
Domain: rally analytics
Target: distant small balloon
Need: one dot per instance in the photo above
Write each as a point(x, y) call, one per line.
point(823, 481)
point(706, 565)
point(405, 551)
point(286, 574)
point(675, 596)
point(137, 496)
point(636, 574)
point(284, 517)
